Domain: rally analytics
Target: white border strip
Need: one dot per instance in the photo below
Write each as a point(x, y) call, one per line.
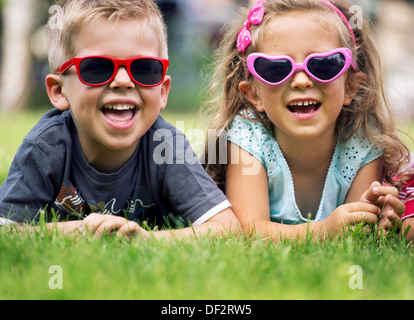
point(6, 222)
point(212, 212)
point(408, 216)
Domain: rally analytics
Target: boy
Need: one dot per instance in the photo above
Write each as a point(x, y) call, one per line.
point(99, 150)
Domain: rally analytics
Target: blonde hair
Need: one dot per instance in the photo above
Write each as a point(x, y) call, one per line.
point(368, 113)
point(71, 15)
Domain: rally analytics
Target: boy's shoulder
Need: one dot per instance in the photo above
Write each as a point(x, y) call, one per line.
point(161, 125)
point(52, 137)
point(161, 132)
point(54, 125)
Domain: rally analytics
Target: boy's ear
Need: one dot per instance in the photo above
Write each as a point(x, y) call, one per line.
point(249, 92)
point(353, 85)
point(54, 88)
point(165, 90)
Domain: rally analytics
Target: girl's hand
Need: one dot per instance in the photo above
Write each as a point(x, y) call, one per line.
point(349, 215)
point(386, 198)
point(99, 224)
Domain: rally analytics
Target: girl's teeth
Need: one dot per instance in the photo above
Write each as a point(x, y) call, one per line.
point(303, 107)
point(303, 103)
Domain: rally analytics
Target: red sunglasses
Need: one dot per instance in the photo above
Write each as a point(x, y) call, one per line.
point(100, 70)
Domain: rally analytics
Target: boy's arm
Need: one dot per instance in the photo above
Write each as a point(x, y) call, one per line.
point(180, 185)
point(224, 223)
point(67, 227)
point(30, 185)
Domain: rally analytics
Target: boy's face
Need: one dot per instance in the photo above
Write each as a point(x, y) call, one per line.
point(103, 126)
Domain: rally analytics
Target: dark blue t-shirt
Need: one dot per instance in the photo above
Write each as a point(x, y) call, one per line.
point(162, 177)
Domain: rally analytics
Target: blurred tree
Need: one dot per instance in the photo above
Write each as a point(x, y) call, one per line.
point(19, 18)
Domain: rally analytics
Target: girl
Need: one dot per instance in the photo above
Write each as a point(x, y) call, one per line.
point(308, 126)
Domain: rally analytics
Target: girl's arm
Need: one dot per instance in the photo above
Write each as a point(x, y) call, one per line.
point(248, 194)
point(246, 187)
point(363, 180)
point(367, 188)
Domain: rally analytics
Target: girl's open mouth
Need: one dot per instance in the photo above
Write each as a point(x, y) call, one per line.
point(303, 108)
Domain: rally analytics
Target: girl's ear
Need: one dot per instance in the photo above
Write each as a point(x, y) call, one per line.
point(248, 90)
point(354, 83)
point(54, 88)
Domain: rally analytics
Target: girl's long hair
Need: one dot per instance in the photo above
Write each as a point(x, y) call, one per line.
point(368, 113)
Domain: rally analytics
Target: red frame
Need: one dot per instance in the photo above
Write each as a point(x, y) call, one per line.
point(117, 63)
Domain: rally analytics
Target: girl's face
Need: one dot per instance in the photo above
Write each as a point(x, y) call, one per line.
point(301, 107)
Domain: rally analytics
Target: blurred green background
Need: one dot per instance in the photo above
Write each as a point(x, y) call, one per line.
point(194, 26)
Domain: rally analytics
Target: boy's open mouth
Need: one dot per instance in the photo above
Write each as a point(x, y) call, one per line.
point(304, 107)
point(119, 113)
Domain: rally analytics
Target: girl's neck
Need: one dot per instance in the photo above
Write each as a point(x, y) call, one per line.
point(309, 161)
point(308, 154)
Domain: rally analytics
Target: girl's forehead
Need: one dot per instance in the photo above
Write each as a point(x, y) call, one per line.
point(297, 30)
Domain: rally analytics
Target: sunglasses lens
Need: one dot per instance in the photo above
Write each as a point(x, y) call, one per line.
point(326, 68)
point(147, 71)
point(273, 71)
point(96, 70)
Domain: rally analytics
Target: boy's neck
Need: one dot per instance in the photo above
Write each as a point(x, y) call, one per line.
point(107, 161)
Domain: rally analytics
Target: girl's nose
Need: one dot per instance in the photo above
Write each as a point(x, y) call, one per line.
point(122, 80)
point(301, 80)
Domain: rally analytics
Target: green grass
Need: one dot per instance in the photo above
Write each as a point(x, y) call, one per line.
point(202, 269)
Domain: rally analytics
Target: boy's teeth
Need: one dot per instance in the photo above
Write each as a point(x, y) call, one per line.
point(119, 113)
point(120, 106)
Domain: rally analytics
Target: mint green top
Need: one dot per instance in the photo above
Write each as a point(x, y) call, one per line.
point(347, 159)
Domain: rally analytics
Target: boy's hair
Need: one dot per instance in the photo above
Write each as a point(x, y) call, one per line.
point(71, 15)
point(369, 111)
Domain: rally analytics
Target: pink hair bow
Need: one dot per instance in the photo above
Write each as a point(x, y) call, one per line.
point(255, 17)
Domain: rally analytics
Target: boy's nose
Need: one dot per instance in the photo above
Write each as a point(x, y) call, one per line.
point(301, 80)
point(122, 80)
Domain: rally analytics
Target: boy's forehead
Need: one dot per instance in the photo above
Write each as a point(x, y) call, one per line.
point(125, 36)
